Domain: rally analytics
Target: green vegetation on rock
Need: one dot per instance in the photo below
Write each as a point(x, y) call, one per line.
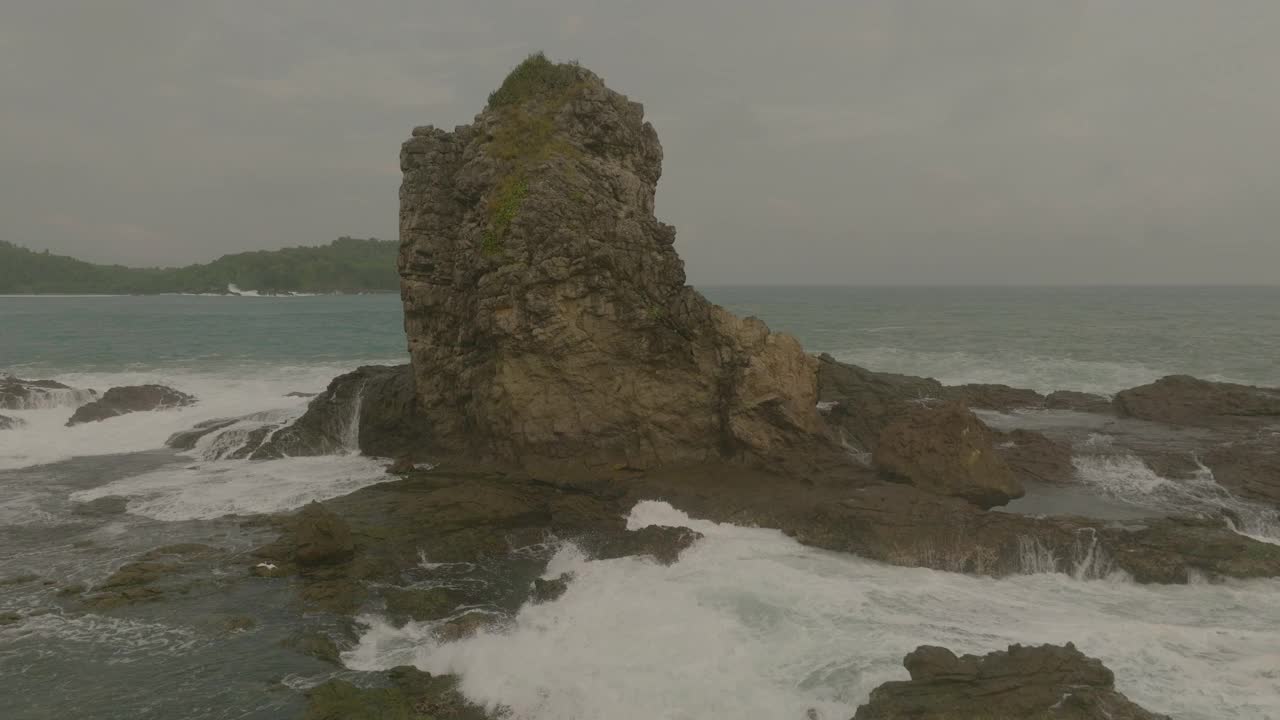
point(536, 75)
point(503, 209)
point(528, 101)
point(344, 265)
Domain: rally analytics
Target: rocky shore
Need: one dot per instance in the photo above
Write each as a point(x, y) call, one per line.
point(562, 371)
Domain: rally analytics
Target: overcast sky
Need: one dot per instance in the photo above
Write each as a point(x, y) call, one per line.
point(837, 142)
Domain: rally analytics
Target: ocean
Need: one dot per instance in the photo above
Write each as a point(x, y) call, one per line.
point(748, 624)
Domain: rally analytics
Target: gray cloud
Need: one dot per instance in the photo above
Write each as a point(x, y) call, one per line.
point(890, 141)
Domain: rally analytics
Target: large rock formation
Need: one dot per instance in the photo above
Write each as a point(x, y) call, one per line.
point(1025, 682)
point(135, 398)
point(548, 319)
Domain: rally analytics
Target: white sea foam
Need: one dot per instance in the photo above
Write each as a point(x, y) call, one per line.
point(240, 487)
point(750, 624)
point(224, 394)
point(1128, 478)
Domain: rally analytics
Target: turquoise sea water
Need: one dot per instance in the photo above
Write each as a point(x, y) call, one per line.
point(1101, 339)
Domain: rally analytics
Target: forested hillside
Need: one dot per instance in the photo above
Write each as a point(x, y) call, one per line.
point(344, 265)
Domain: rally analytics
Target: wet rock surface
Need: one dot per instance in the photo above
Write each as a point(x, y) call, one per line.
point(8, 423)
point(946, 450)
point(187, 439)
point(1023, 682)
point(320, 537)
point(19, 394)
point(409, 694)
point(1034, 457)
point(134, 398)
point(371, 409)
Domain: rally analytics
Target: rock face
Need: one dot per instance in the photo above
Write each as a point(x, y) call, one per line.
point(8, 423)
point(1024, 682)
point(135, 398)
point(372, 409)
point(863, 402)
point(1184, 400)
point(1032, 456)
point(1250, 468)
point(548, 319)
point(948, 451)
point(19, 394)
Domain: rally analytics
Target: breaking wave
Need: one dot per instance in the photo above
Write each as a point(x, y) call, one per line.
point(751, 624)
point(1128, 478)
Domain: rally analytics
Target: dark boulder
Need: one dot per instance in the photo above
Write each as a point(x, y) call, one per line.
point(8, 423)
point(320, 537)
point(371, 410)
point(946, 450)
point(549, 590)
point(1001, 398)
point(1049, 681)
point(660, 542)
point(130, 399)
point(187, 439)
point(1250, 468)
point(1185, 400)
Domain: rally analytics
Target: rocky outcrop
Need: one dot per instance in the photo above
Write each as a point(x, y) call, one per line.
point(1077, 401)
point(1001, 398)
point(1185, 400)
point(860, 403)
point(662, 543)
point(1250, 468)
point(136, 398)
point(1049, 681)
point(19, 394)
point(372, 409)
point(1033, 457)
point(948, 451)
point(548, 318)
point(8, 423)
point(320, 537)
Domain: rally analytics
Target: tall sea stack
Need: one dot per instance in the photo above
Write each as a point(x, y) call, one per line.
point(547, 315)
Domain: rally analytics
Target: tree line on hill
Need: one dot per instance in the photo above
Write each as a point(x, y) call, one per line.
point(346, 265)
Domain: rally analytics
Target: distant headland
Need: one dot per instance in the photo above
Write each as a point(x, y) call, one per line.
point(346, 265)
